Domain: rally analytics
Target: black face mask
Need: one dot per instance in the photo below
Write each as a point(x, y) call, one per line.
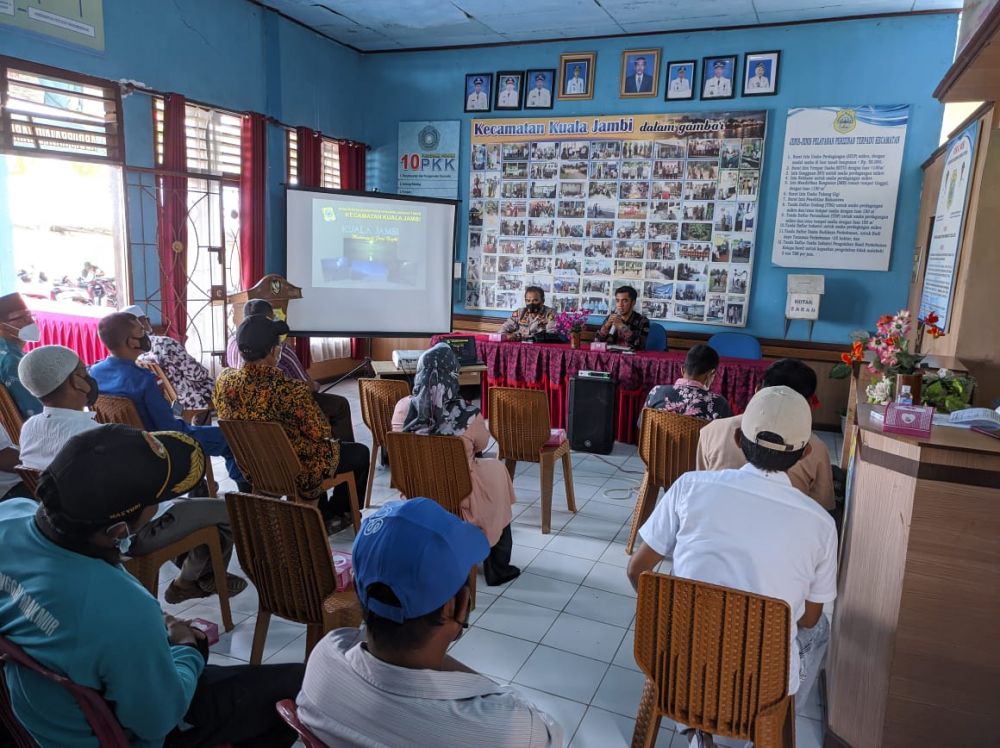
point(93, 394)
point(145, 344)
point(534, 308)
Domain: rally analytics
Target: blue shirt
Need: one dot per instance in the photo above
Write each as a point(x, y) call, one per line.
point(93, 622)
point(11, 354)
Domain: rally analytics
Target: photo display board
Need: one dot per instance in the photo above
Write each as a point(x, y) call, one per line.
point(579, 206)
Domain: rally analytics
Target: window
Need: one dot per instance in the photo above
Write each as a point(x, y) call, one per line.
point(330, 176)
point(213, 139)
point(49, 111)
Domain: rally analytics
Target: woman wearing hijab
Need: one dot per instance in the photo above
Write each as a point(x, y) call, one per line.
point(437, 408)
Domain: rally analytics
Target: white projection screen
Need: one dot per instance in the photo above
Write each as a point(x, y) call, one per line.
point(370, 264)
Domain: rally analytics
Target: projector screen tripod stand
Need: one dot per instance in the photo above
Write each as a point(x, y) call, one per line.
point(365, 366)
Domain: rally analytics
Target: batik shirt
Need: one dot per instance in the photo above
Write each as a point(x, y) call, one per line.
point(524, 324)
point(259, 393)
point(192, 382)
point(634, 335)
point(687, 397)
point(288, 364)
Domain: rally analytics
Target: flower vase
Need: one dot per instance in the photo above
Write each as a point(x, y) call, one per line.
point(914, 381)
point(574, 340)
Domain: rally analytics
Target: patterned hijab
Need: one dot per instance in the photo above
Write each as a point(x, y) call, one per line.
point(436, 405)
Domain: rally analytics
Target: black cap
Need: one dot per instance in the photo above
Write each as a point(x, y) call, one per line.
point(257, 335)
point(108, 474)
point(257, 306)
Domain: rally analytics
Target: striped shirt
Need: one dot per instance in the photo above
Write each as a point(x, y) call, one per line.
point(289, 363)
point(351, 698)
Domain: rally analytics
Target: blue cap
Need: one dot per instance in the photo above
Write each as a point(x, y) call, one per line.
point(420, 551)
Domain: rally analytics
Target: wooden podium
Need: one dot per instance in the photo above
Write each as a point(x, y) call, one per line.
point(272, 288)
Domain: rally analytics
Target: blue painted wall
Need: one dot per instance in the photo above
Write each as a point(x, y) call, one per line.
point(885, 61)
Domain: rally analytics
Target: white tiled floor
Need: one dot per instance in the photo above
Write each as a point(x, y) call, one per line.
point(562, 632)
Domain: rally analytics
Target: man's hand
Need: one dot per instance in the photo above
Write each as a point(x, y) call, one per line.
point(181, 632)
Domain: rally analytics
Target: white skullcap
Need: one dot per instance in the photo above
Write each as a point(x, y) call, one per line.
point(135, 309)
point(43, 369)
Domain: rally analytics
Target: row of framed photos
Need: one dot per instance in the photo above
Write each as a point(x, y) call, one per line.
point(639, 78)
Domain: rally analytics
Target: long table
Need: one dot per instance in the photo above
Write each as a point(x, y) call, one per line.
point(75, 328)
point(548, 367)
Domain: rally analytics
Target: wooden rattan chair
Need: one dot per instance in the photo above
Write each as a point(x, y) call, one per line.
point(715, 659)
point(378, 401)
point(267, 459)
point(283, 548)
point(668, 444)
point(432, 467)
point(519, 421)
point(10, 416)
point(29, 477)
point(191, 415)
point(118, 409)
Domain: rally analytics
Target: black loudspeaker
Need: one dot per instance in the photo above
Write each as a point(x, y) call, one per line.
point(590, 425)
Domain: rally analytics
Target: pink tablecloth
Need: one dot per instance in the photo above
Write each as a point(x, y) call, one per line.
point(76, 332)
point(549, 367)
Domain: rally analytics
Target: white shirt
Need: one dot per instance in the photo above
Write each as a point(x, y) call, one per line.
point(680, 86)
point(8, 480)
point(477, 101)
point(752, 531)
point(576, 86)
point(759, 83)
point(508, 98)
point(387, 705)
point(42, 436)
point(539, 97)
point(718, 87)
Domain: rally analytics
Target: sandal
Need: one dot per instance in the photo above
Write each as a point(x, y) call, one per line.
point(176, 594)
point(234, 584)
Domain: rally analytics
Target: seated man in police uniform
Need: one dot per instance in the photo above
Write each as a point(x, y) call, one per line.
point(534, 317)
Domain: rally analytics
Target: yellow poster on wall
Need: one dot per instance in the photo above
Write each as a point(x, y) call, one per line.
point(579, 206)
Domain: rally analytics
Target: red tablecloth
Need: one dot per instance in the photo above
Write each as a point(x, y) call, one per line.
point(76, 332)
point(549, 367)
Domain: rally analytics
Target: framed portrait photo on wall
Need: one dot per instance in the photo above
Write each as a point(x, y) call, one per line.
point(720, 75)
point(640, 73)
point(576, 75)
point(539, 85)
point(478, 87)
point(682, 79)
point(510, 89)
point(760, 73)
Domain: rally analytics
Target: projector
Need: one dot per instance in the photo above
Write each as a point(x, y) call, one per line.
point(406, 360)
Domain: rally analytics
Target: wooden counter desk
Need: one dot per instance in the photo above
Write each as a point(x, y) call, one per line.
point(914, 657)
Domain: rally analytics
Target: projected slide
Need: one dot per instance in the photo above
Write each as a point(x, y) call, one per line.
point(364, 246)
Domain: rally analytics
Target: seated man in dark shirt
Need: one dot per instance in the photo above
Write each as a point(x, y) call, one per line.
point(689, 395)
point(625, 326)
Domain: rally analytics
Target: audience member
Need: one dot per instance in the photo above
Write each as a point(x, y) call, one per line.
point(17, 327)
point(336, 408)
point(191, 381)
point(813, 474)
point(10, 482)
point(411, 571)
point(57, 376)
point(74, 608)
point(437, 408)
point(752, 530)
point(261, 392)
point(533, 318)
point(625, 326)
point(119, 375)
point(690, 395)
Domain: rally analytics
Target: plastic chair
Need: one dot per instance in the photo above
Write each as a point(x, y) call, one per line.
point(378, 401)
point(266, 456)
point(736, 345)
point(668, 446)
point(30, 478)
point(10, 416)
point(433, 467)
point(188, 414)
point(118, 409)
point(283, 548)
point(96, 711)
point(715, 659)
point(519, 421)
point(657, 338)
point(290, 714)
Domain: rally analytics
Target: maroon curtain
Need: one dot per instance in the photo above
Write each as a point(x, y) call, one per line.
point(352, 177)
point(172, 220)
point(310, 157)
point(253, 196)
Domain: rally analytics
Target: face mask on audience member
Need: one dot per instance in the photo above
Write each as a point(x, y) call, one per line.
point(30, 333)
point(123, 542)
point(93, 392)
point(145, 344)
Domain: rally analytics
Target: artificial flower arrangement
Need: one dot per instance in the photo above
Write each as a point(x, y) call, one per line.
point(571, 324)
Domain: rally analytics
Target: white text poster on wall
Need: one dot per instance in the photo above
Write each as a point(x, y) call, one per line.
point(949, 218)
point(839, 184)
point(428, 159)
point(664, 203)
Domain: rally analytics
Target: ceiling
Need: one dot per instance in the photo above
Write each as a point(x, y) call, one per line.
point(379, 25)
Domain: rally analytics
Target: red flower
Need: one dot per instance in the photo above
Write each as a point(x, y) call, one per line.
point(857, 350)
point(885, 319)
point(846, 358)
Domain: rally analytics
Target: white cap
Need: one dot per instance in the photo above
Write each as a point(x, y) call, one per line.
point(43, 369)
point(781, 411)
point(135, 309)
